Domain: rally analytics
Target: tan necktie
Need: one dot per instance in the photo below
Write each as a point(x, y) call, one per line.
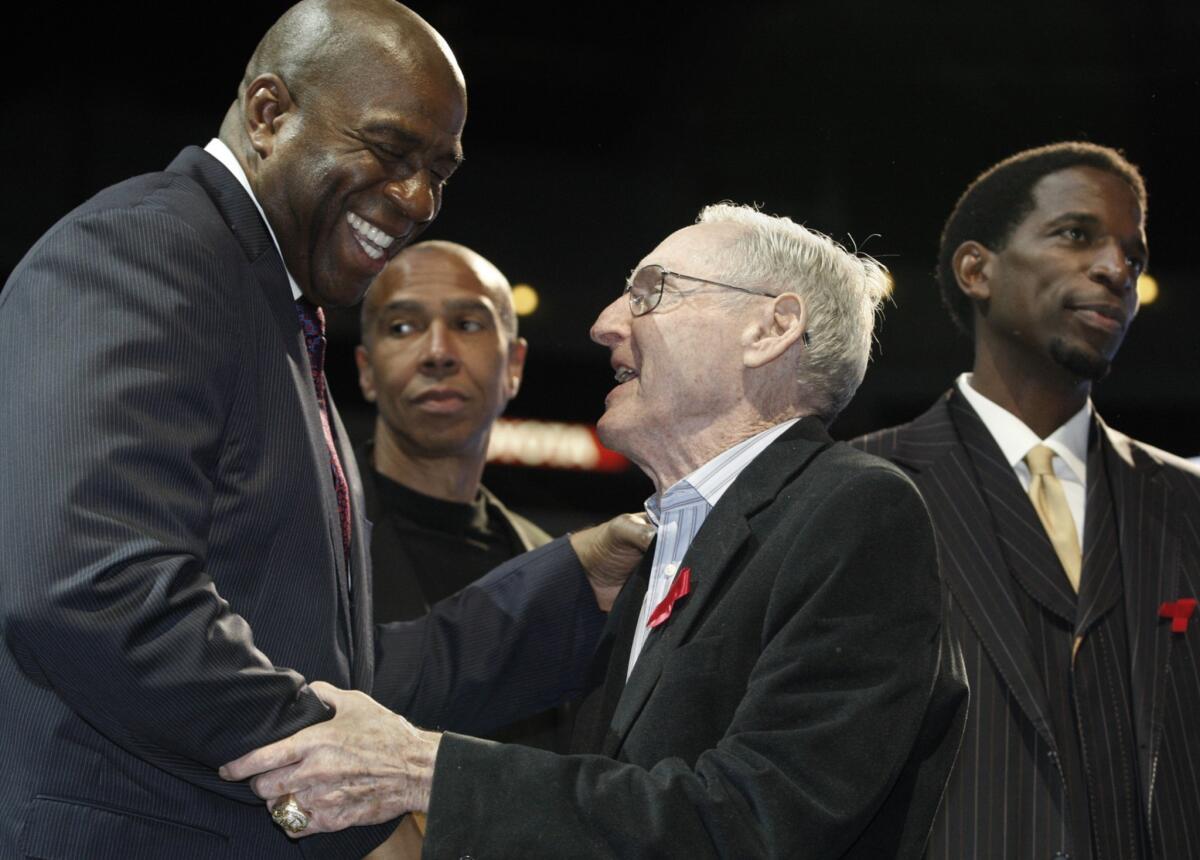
point(1050, 502)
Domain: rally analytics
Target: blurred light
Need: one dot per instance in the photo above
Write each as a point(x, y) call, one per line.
point(889, 285)
point(1147, 289)
point(551, 445)
point(525, 299)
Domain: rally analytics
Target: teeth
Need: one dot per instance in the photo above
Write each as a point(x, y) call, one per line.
point(373, 240)
point(624, 374)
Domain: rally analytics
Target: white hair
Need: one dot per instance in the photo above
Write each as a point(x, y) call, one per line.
point(842, 292)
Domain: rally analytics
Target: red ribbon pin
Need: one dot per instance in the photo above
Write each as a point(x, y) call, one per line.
point(680, 586)
point(1180, 612)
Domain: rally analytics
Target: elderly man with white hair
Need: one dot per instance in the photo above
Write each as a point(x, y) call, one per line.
point(776, 681)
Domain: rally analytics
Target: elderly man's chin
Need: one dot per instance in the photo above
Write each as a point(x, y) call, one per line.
point(613, 432)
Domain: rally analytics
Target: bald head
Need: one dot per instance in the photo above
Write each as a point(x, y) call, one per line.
point(321, 42)
point(348, 124)
point(439, 262)
point(440, 359)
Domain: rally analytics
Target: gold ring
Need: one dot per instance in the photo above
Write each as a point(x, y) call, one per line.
point(288, 815)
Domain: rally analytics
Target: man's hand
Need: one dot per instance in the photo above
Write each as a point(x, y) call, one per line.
point(366, 765)
point(610, 551)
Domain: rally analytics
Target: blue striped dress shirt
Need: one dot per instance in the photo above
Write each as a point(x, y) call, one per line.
point(680, 512)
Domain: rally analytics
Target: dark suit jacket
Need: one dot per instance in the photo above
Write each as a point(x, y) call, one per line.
point(800, 701)
point(166, 490)
point(1006, 796)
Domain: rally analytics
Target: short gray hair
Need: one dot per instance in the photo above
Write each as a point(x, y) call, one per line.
point(842, 292)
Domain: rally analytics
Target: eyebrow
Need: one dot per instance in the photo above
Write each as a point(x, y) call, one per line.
point(1091, 220)
point(1083, 217)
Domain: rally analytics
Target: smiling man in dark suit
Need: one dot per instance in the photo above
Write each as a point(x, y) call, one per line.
point(176, 475)
point(1063, 542)
point(775, 682)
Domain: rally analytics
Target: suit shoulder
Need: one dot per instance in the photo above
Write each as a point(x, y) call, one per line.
point(881, 443)
point(171, 202)
point(530, 534)
point(534, 535)
point(844, 466)
point(1175, 467)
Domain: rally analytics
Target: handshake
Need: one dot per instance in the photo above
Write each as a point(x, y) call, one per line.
point(367, 764)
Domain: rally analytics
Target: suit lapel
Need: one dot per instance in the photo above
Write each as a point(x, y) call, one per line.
point(711, 558)
point(718, 541)
point(1100, 587)
point(1021, 536)
point(624, 624)
point(974, 564)
point(1149, 537)
point(354, 589)
point(241, 216)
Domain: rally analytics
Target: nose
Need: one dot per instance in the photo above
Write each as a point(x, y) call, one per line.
point(1114, 268)
point(612, 326)
point(439, 358)
point(415, 195)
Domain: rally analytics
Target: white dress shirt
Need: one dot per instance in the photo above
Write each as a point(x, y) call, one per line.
point(222, 153)
point(680, 512)
point(1069, 444)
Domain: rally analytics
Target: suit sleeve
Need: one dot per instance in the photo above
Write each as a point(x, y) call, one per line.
point(831, 710)
point(119, 357)
point(512, 644)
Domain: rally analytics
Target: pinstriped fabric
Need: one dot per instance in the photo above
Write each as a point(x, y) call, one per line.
point(144, 362)
point(1006, 797)
point(158, 502)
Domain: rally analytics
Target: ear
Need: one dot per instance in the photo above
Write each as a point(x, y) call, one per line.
point(366, 373)
point(972, 268)
point(780, 326)
point(266, 104)
point(517, 351)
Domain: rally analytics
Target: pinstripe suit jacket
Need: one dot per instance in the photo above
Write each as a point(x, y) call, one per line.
point(1006, 797)
point(166, 489)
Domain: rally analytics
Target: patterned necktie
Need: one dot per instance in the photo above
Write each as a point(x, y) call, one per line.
point(1050, 502)
point(312, 320)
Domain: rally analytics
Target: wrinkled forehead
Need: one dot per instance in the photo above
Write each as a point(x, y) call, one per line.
point(700, 250)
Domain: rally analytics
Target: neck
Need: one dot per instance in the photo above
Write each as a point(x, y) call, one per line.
point(453, 478)
point(672, 462)
point(1043, 397)
point(232, 136)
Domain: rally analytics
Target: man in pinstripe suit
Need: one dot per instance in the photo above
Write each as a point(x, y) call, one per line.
point(1081, 737)
point(176, 477)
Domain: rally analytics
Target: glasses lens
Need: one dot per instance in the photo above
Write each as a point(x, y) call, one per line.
point(645, 289)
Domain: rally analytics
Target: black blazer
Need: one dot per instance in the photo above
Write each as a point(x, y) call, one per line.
point(166, 491)
point(1005, 798)
point(800, 701)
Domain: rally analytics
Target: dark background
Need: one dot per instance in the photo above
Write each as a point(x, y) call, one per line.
point(596, 130)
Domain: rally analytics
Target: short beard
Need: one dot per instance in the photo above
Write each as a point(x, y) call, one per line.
point(1084, 365)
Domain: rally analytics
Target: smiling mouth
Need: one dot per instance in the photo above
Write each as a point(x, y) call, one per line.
point(374, 242)
point(624, 374)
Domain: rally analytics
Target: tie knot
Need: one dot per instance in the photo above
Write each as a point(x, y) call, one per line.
point(312, 318)
point(1039, 460)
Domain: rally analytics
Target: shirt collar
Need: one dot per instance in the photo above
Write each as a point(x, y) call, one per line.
point(712, 479)
point(1015, 438)
point(222, 153)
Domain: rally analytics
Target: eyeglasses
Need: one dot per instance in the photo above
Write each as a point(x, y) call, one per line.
point(645, 287)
